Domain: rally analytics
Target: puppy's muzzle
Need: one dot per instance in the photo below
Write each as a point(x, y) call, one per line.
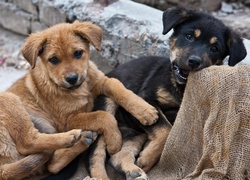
point(72, 79)
point(194, 62)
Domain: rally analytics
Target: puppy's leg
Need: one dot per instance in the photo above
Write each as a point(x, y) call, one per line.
point(101, 122)
point(63, 157)
point(157, 136)
point(124, 160)
point(134, 104)
point(97, 160)
point(26, 137)
point(24, 167)
point(97, 152)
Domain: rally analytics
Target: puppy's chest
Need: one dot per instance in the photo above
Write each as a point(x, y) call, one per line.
point(69, 106)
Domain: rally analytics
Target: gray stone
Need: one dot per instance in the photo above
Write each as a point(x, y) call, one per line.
point(209, 6)
point(227, 8)
point(37, 26)
point(14, 19)
point(26, 5)
point(238, 20)
point(49, 14)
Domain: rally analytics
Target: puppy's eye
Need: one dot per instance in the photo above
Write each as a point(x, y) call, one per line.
point(78, 54)
point(214, 49)
point(189, 37)
point(54, 60)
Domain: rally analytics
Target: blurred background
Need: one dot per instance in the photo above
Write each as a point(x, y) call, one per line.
point(131, 28)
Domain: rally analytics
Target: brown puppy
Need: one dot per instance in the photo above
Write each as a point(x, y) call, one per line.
point(57, 96)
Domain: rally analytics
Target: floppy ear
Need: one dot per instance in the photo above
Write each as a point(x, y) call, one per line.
point(173, 16)
point(237, 50)
point(89, 31)
point(33, 47)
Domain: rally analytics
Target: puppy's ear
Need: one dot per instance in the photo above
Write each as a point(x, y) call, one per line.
point(89, 31)
point(174, 16)
point(237, 50)
point(33, 47)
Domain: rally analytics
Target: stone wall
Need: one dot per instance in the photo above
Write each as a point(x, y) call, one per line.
point(130, 29)
point(205, 5)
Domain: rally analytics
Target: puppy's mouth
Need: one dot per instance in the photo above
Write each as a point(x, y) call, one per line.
point(68, 86)
point(181, 74)
point(73, 87)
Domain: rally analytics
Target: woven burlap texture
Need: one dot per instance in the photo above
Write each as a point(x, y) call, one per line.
point(211, 136)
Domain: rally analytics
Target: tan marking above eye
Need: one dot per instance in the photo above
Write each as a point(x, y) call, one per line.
point(197, 33)
point(213, 40)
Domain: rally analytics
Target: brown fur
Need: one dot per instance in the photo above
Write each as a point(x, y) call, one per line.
point(46, 99)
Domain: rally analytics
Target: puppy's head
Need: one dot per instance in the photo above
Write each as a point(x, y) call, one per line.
point(199, 40)
point(63, 52)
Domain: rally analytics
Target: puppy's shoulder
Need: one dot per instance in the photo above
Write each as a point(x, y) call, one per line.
point(94, 74)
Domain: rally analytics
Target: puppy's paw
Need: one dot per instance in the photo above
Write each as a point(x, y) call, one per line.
point(147, 114)
point(145, 163)
point(74, 136)
point(137, 174)
point(89, 137)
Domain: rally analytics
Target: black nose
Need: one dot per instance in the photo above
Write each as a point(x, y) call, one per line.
point(72, 79)
point(194, 62)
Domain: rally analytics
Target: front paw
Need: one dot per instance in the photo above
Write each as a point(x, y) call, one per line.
point(89, 137)
point(146, 163)
point(74, 136)
point(137, 174)
point(146, 114)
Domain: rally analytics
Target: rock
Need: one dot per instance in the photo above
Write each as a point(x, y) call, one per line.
point(208, 6)
point(49, 14)
point(236, 16)
point(14, 19)
point(130, 29)
point(227, 8)
point(27, 5)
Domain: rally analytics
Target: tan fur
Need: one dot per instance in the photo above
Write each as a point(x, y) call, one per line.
point(164, 97)
point(197, 33)
point(151, 153)
point(45, 97)
point(213, 40)
point(130, 150)
point(97, 163)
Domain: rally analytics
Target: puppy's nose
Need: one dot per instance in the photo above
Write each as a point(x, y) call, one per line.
point(72, 79)
point(194, 62)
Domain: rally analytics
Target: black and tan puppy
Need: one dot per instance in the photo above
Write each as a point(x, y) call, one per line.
point(199, 40)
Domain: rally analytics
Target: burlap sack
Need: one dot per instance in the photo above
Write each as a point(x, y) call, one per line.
point(211, 136)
